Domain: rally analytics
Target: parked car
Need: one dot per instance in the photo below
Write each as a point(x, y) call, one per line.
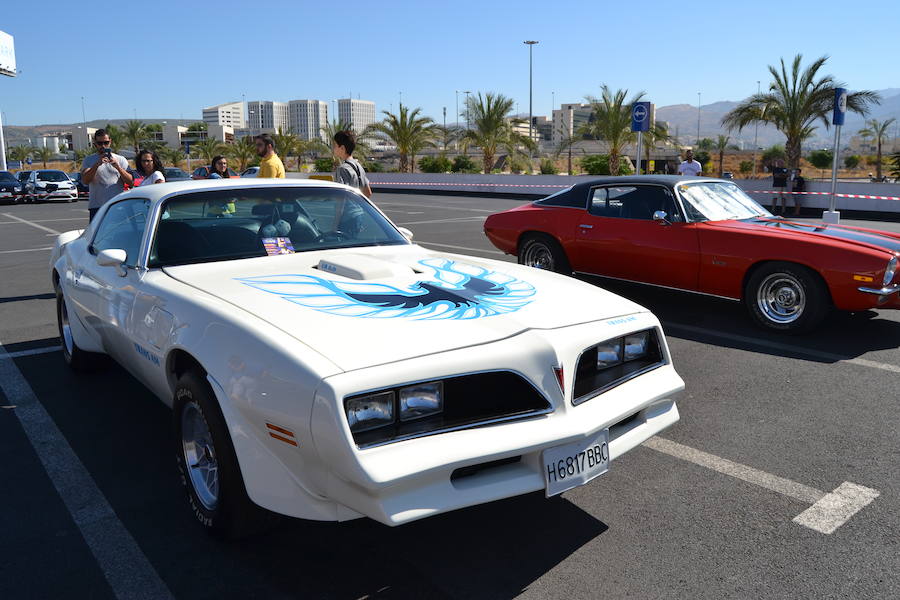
point(250, 172)
point(49, 185)
point(23, 176)
point(203, 173)
point(706, 236)
point(320, 365)
point(83, 190)
point(175, 174)
point(10, 188)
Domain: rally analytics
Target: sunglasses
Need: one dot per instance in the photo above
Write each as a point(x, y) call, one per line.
point(106, 143)
point(147, 160)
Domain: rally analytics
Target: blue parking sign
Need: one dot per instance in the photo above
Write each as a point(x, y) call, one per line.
point(641, 116)
point(840, 106)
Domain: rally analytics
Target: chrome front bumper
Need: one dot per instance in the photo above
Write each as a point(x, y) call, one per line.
point(884, 291)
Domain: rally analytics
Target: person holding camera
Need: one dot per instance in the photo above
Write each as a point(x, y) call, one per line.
point(105, 173)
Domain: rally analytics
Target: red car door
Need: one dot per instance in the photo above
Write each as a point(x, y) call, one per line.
point(618, 237)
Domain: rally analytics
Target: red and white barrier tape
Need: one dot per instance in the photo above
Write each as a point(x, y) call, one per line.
point(559, 187)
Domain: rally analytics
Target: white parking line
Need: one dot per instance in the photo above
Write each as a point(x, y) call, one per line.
point(126, 568)
point(455, 220)
point(25, 250)
point(30, 352)
point(43, 220)
point(459, 247)
point(33, 224)
point(828, 511)
point(826, 356)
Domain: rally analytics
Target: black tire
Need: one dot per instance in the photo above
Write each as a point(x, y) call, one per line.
point(75, 357)
point(230, 514)
point(543, 252)
point(786, 297)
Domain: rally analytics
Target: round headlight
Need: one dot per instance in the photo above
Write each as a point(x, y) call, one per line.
point(889, 272)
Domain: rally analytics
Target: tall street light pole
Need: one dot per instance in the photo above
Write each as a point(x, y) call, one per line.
point(698, 118)
point(755, 138)
point(530, 44)
point(87, 138)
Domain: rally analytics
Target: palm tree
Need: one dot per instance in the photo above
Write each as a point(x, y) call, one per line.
point(173, 156)
point(44, 153)
point(794, 102)
point(80, 155)
point(134, 132)
point(877, 130)
point(288, 144)
point(208, 149)
point(116, 137)
point(567, 143)
point(243, 151)
point(492, 129)
point(20, 152)
point(409, 132)
point(611, 122)
point(721, 145)
point(657, 136)
point(895, 161)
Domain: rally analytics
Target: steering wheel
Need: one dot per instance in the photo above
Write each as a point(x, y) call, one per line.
point(331, 236)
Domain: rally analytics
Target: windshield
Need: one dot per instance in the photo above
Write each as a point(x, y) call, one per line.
point(248, 222)
point(52, 176)
point(718, 201)
point(7, 176)
point(173, 172)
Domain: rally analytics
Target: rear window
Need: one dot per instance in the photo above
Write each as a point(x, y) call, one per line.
point(249, 222)
point(566, 198)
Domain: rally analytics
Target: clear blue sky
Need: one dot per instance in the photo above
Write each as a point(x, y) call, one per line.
point(173, 58)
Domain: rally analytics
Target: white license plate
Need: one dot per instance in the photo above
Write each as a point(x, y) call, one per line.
point(571, 465)
point(5, 194)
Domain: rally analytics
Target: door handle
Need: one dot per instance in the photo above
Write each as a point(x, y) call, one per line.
point(586, 226)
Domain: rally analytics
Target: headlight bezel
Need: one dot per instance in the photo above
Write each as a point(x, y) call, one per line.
point(590, 380)
point(890, 271)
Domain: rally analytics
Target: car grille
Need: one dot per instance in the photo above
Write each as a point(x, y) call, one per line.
point(473, 400)
point(591, 381)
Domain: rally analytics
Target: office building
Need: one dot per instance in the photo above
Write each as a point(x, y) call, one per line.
point(359, 113)
point(230, 114)
point(266, 114)
point(568, 119)
point(307, 118)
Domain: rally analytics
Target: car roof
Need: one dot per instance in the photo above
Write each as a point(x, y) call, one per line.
point(667, 180)
point(50, 171)
point(162, 191)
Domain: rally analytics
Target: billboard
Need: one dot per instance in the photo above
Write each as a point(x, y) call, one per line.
point(7, 55)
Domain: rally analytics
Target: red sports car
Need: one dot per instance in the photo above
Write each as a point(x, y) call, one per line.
point(707, 236)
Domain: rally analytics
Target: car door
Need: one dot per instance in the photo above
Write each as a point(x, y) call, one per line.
point(104, 295)
point(618, 237)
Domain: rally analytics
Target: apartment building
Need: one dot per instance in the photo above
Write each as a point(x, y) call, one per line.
point(567, 119)
point(266, 114)
point(359, 113)
point(307, 118)
point(230, 114)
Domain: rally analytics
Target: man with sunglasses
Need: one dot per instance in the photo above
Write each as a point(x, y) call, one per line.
point(269, 164)
point(105, 173)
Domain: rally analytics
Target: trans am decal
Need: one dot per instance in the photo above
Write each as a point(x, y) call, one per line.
point(454, 291)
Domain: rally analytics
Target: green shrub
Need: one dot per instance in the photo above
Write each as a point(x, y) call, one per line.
point(519, 165)
point(598, 164)
point(746, 166)
point(324, 164)
point(704, 159)
point(821, 159)
point(548, 167)
point(435, 164)
point(852, 161)
point(372, 166)
point(464, 164)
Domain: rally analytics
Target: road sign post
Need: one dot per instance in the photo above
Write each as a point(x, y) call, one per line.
point(837, 119)
point(641, 120)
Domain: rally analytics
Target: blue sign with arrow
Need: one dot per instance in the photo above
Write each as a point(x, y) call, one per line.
point(840, 106)
point(641, 116)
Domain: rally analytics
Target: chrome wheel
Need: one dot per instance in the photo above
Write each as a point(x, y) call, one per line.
point(781, 298)
point(199, 455)
point(65, 329)
point(539, 256)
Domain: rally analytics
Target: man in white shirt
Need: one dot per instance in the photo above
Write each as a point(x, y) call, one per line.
point(689, 166)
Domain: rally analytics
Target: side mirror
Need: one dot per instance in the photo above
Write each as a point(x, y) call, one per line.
point(661, 217)
point(406, 233)
point(113, 257)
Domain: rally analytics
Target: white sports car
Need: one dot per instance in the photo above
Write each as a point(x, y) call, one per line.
point(322, 366)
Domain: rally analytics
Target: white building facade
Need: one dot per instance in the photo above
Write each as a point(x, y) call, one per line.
point(307, 118)
point(267, 114)
point(230, 114)
point(359, 113)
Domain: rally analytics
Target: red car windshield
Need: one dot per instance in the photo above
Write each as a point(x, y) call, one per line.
point(718, 201)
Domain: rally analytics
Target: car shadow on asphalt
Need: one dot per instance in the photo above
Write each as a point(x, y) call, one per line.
point(46, 296)
point(726, 323)
point(122, 434)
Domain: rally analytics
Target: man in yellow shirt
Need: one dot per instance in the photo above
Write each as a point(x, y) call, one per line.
point(269, 165)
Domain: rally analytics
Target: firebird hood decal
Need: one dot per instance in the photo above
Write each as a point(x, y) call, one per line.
point(832, 231)
point(454, 291)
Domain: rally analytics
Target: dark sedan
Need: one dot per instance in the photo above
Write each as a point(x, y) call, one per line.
point(10, 188)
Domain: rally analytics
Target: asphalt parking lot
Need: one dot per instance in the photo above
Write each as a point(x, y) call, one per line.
point(782, 479)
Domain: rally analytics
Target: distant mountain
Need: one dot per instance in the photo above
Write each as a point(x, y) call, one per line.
point(683, 119)
point(17, 134)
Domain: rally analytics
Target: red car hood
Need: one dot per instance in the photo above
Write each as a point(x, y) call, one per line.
point(850, 235)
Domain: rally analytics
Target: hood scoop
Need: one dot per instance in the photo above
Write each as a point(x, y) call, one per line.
point(363, 268)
